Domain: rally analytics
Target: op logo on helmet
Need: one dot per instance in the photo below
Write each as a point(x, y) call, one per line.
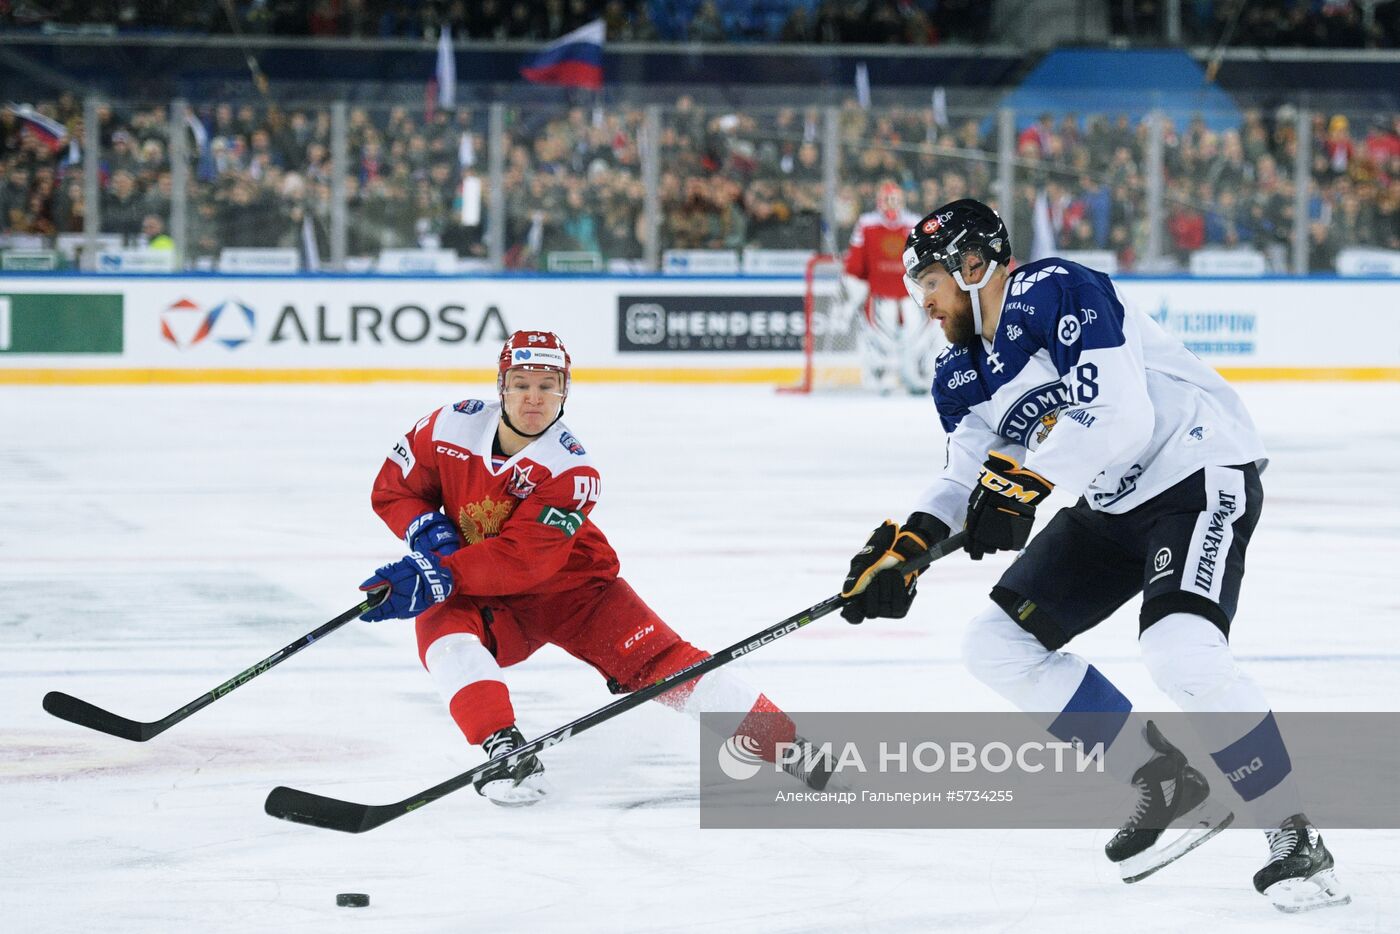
point(936, 221)
point(519, 355)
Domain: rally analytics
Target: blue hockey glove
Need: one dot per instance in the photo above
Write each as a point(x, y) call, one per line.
point(415, 583)
point(432, 531)
point(1001, 510)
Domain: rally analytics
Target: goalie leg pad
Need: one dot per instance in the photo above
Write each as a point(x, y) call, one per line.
point(879, 340)
point(919, 346)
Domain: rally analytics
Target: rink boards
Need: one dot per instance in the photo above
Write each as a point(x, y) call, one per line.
point(134, 329)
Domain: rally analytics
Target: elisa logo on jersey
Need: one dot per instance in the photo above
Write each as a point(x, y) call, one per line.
point(739, 757)
point(185, 324)
point(1021, 282)
point(962, 378)
point(468, 406)
point(570, 444)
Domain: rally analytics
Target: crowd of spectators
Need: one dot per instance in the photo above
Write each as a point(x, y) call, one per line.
point(261, 176)
point(1316, 23)
point(1330, 24)
point(1231, 188)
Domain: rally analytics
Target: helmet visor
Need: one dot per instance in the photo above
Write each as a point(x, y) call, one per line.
point(915, 290)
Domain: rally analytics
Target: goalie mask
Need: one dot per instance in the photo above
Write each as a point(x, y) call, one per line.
point(533, 350)
point(890, 201)
point(947, 236)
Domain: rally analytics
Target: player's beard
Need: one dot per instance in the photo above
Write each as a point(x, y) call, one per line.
point(957, 327)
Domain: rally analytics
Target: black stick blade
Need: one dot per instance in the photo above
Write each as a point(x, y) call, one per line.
point(74, 710)
point(303, 807)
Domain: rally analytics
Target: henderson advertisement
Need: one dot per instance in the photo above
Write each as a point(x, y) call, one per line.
point(126, 329)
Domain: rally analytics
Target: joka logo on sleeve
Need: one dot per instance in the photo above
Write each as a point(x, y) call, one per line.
point(570, 520)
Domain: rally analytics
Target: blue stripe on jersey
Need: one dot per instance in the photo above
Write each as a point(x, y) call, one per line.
point(1095, 714)
point(498, 461)
point(1257, 761)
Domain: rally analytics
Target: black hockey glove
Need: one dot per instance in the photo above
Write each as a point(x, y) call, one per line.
point(1001, 510)
point(874, 589)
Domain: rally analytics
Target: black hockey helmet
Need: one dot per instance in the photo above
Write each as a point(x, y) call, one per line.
point(948, 233)
point(946, 236)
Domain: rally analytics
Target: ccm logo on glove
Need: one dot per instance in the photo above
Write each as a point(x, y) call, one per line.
point(1001, 510)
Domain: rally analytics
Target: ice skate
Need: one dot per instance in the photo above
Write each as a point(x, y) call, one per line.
point(516, 787)
point(1299, 875)
point(1174, 813)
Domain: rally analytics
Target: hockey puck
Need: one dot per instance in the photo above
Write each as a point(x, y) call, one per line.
point(352, 900)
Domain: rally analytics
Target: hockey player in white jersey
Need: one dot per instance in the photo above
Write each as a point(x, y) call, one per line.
point(1050, 381)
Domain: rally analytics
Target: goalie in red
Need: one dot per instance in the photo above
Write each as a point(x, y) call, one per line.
point(898, 343)
point(493, 500)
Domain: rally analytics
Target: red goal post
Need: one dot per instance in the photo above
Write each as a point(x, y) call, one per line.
point(831, 335)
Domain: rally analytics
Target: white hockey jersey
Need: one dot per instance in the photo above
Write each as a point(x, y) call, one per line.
point(1091, 395)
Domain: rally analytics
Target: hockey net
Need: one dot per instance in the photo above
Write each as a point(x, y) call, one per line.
point(831, 342)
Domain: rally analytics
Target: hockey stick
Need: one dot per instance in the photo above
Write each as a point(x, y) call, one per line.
point(304, 807)
point(75, 710)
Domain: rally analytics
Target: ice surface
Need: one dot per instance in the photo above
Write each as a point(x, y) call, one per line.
point(156, 540)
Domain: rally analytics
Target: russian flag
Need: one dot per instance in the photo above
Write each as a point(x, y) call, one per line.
point(574, 60)
point(53, 134)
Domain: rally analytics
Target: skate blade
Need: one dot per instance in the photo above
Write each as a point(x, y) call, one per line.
point(505, 793)
point(1321, 890)
point(1207, 820)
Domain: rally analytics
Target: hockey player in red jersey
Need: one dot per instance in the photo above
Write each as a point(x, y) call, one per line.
point(897, 342)
point(493, 500)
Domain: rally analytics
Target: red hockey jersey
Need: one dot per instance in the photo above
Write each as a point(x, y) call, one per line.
point(524, 522)
point(876, 253)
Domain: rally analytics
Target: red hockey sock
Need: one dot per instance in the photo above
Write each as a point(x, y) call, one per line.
point(768, 725)
point(673, 659)
point(481, 708)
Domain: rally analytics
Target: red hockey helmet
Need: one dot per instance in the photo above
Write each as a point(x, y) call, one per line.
point(533, 350)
